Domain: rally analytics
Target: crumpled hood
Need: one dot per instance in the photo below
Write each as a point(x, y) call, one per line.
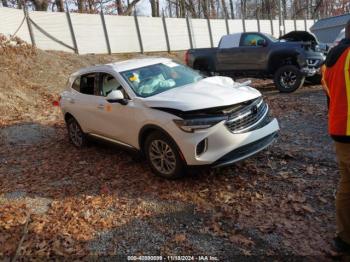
point(207, 93)
point(299, 36)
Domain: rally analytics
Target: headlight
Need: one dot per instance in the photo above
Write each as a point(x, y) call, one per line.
point(191, 125)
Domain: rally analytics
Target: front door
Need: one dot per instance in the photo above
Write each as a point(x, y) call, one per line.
point(113, 120)
point(252, 55)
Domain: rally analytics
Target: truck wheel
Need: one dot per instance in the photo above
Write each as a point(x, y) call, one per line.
point(288, 78)
point(163, 156)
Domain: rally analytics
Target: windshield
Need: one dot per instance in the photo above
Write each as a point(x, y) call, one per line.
point(154, 79)
point(271, 38)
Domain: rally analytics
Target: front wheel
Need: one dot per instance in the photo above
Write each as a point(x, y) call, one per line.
point(288, 78)
point(163, 156)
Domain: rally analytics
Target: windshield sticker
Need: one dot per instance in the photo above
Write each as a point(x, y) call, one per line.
point(134, 77)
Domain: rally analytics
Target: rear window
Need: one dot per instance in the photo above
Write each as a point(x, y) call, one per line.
point(76, 84)
point(86, 84)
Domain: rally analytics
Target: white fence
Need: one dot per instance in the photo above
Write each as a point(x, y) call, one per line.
point(94, 33)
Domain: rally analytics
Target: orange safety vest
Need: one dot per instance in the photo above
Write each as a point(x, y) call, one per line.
point(336, 82)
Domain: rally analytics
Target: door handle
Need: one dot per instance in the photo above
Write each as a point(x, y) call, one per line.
point(101, 106)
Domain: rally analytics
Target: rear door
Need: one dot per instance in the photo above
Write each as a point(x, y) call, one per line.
point(82, 101)
point(228, 57)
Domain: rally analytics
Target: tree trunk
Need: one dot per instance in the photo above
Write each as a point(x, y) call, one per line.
point(119, 5)
point(130, 7)
point(170, 8)
point(205, 8)
point(4, 3)
point(80, 6)
point(284, 9)
point(155, 8)
point(232, 11)
point(60, 5)
point(40, 5)
point(199, 10)
point(213, 10)
point(224, 9)
point(182, 8)
point(191, 8)
point(243, 9)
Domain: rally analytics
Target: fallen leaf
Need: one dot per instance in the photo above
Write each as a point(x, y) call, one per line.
point(308, 208)
point(180, 238)
point(310, 170)
point(240, 239)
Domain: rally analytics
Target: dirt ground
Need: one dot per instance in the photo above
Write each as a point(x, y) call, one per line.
point(56, 200)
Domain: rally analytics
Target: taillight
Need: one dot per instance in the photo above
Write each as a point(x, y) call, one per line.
point(186, 57)
point(57, 102)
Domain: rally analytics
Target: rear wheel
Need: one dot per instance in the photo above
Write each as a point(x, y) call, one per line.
point(163, 156)
point(288, 78)
point(75, 133)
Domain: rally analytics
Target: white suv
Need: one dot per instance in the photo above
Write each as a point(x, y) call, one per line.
point(169, 112)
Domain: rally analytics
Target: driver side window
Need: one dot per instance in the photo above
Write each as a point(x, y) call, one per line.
point(251, 39)
point(108, 83)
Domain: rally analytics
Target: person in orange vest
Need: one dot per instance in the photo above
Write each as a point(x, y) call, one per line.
point(336, 82)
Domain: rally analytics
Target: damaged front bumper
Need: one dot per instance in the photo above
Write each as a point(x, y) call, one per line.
point(309, 71)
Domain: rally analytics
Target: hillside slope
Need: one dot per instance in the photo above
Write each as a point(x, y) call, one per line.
point(32, 78)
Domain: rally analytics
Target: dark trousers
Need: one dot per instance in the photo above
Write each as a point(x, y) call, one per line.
point(343, 193)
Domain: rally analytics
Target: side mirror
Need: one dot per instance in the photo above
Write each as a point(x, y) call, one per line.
point(116, 96)
point(262, 42)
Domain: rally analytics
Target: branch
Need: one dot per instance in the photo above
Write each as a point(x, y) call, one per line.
point(130, 7)
point(25, 233)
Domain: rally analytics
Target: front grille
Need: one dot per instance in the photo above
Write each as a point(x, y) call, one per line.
point(249, 117)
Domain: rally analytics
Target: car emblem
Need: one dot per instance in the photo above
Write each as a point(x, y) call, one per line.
point(254, 109)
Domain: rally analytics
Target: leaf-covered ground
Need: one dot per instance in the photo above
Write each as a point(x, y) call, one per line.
point(56, 200)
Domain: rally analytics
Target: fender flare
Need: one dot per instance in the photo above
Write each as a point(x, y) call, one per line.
point(147, 129)
point(296, 57)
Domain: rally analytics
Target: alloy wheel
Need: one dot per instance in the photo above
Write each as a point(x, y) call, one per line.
point(75, 133)
point(162, 157)
point(288, 79)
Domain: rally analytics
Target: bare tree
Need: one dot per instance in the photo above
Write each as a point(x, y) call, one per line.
point(224, 9)
point(232, 11)
point(249, 9)
point(205, 8)
point(119, 6)
point(4, 3)
point(40, 5)
point(155, 7)
point(60, 5)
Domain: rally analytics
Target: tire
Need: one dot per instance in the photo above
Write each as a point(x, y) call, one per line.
point(314, 80)
point(76, 135)
point(170, 165)
point(288, 78)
